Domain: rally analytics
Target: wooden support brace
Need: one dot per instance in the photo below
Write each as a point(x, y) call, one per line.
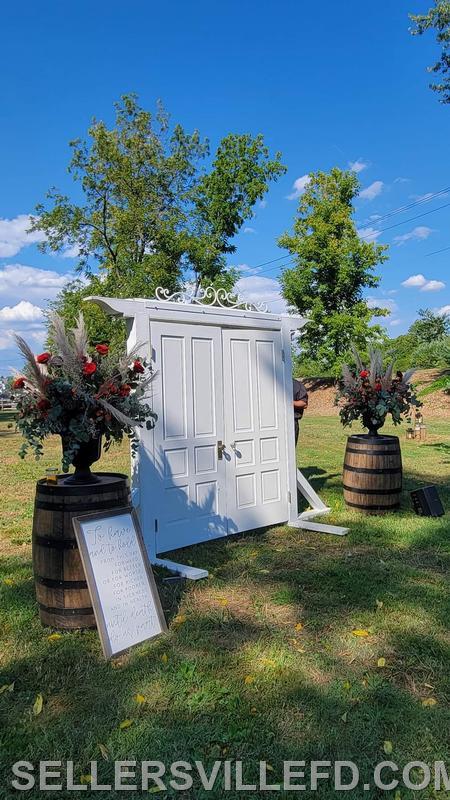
point(309, 494)
point(318, 508)
point(186, 571)
point(318, 527)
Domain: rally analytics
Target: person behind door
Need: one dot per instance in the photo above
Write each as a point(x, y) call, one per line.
point(300, 403)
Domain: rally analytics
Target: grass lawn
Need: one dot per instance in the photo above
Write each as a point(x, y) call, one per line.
point(261, 662)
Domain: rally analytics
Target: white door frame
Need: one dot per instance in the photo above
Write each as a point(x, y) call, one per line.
point(139, 313)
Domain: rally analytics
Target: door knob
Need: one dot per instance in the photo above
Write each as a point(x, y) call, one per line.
point(221, 447)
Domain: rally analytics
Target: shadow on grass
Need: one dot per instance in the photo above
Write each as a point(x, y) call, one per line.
point(324, 703)
point(321, 696)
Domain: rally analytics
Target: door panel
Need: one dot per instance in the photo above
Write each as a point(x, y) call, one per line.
point(257, 491)
point(190, 479)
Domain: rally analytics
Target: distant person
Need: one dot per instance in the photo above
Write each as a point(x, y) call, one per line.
point(300, 403)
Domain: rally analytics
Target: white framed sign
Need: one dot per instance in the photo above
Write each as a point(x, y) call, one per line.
point(123, 591)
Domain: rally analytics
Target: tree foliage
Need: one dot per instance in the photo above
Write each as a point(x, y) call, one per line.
point(152, 214)
point(430, 326)
point(437, 19)
point(333, 266)
point(426, 344)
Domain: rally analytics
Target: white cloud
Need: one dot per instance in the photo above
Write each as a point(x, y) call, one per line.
point(262, 203)
point(35, 336)
point(71, 252)
point(402, 180)
point(248, 269)
point(443, 310)
point(379, 302)
point(420, 233)
point(299, 187)
point(257, 289)
point(249, 230)
point(433, 286)
point(358, 165)
point(22, 312)
point(14, 236)
point(421, 282)
point(20, 282)
point(372, 191)
point(24, 292)
point(369, 234)
point(394, 322)
point(427, 196)
point(414, 280)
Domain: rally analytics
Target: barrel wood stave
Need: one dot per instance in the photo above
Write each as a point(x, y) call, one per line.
point(61, 588)
point(373, 473)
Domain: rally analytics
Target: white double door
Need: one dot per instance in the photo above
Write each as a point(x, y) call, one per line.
point(219, 448)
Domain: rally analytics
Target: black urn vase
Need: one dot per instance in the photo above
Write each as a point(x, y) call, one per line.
point(86, 455)
point(372, 425)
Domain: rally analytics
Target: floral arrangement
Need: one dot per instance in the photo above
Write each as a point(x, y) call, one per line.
point(371, 393)
point(80, 393)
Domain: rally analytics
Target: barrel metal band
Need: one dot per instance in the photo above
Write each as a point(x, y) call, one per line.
point(373, 508)
point(51, 583)
point(369, 471)
point(99, 505)
point(358, 490)
point(67, 612)
point(56, 544)
point(390, 452)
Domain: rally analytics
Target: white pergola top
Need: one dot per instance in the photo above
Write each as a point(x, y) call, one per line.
point(209, 306)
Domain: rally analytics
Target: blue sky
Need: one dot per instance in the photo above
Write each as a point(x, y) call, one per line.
point(327, 84)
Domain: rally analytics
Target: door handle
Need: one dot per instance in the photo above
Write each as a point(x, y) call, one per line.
point(221, 447)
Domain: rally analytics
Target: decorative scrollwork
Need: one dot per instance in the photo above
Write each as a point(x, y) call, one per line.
point(209, 297)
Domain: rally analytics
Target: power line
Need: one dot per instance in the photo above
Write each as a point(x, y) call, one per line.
point(435, 252)
point(418, 202)
point(368, 236)
point(255, 266)
point(392, 213)
point(411, 219)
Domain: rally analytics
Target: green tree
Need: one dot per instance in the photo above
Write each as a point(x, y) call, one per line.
point(426, 343)
point(430, 325)
point(151, 214)
point(333, 266)
point(437, 18)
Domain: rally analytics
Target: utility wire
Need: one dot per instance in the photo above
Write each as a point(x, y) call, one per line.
point(435, 252)
point(412, 205)
point(411, 219)
point(368, 236)
point(392, 213)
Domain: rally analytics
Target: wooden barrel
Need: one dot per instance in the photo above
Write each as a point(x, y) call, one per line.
point(61, 588)
point(373, 473)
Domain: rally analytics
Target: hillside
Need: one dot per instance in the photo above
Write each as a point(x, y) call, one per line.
point(321, 396)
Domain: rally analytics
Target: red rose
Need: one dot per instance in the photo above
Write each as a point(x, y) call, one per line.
point(138, 367)
point(43, 358)
point(102, 349)
point(363, 374)
point(89, 368)
point(125, 390)
point(43, 404)
point(378, 387)
point(18, 383)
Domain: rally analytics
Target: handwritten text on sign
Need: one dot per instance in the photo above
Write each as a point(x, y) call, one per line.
point(125, 594)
